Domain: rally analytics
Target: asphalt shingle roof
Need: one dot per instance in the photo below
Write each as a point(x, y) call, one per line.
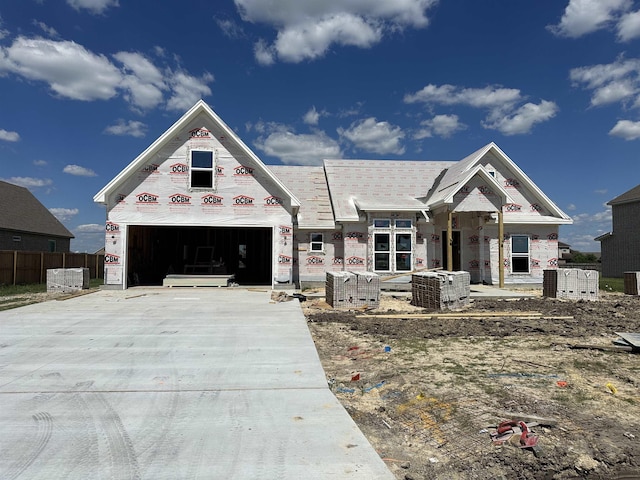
point(632, 195)
point(20, 211)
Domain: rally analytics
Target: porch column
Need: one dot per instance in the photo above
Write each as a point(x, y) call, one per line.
point(449, 241)
point(500, 250)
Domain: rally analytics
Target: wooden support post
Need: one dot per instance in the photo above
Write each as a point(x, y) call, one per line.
point(15, 266)
point(41, 267)
point(450, 241)
point(500, 249)
point(64, 260)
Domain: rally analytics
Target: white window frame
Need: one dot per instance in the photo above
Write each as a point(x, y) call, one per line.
point(316, 245)
point(386, 252)
point(211, 169)
point(520, 255)
point(393, 229)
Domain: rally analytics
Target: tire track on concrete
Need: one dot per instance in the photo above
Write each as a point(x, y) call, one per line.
point(121, 455)
point(124, 460)
point(44, 430)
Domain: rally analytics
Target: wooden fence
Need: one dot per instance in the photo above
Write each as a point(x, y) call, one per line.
point(21, 268)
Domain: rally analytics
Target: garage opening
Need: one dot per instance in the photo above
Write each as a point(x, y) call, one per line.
point(155, 252)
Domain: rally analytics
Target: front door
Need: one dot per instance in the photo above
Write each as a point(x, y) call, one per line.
point(455, 247)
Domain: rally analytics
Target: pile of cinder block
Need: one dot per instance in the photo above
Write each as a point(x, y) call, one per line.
point(440, 290)
point(67, 279)
point(571, 283)
point(352, 289)
point(632, 283)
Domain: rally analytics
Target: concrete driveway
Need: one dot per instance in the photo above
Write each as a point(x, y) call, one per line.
point(171, 384)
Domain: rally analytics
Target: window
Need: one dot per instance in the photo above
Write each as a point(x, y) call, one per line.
point(392, 249)
point(52, 246)
point(201, 169)
point(520, 254)
point(403, 252)
point(317, 242)
point(17, 238)
point(381, 252)
point(382, 223)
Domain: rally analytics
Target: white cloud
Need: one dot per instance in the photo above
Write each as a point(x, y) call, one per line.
point(586, 16)
point(52, 32)
point(612, 82)
point(40, 163)
point(308, 29)
point(504, 114)
point(265, 54)
point(70, 70)
point(312, 39)
point(89, 228)
point(230, 28)
point(441, 125)
point(373, 136)
point(131, 128)
point(601, 191)
point(626, 129)
point(143, 81)
point(487, 97)
point(571, 207)
point(298, 149)
point(187, 89)
point(64, 214)
point(79, 171)
point(629, 26)
point(312, 117)
point(523, 119)
point(593, 218)
point(9, 136)
point(73, 72)
point(94, 6)
point(29, 182)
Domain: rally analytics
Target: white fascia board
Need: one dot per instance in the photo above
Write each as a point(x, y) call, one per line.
point(101, 196)
point(481, 171)
point(527, 181)
point(199, 107)
point(603, 236)
point(370, 207)
point(542, 220)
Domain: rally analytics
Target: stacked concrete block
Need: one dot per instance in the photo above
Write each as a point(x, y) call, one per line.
point(571, 283)
point(632, 283)
point(341, 289)
point(352, 289)
point(368, 290)
point(67, 279)
point(440, 290)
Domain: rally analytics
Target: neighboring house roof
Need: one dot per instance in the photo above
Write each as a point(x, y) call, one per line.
point(379, 185)
point(20, 211)
point(233, 141)
point(309, 185)
point(629, 196)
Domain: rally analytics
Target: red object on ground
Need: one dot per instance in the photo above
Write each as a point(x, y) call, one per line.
point(527, 439)
point(355, 378)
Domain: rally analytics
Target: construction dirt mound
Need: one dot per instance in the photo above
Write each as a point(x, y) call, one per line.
point(430, 389)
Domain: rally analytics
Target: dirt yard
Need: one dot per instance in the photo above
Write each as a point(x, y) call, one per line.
point(429, 392)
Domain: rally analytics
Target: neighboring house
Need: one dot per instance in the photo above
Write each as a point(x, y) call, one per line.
point(564, 253)
point(198, 200)
point(26, 224)
point(620, 248)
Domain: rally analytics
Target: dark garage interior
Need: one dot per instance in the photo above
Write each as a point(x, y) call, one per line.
point(155, 251)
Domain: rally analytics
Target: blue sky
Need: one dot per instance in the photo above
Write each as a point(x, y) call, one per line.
point(87, 85)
